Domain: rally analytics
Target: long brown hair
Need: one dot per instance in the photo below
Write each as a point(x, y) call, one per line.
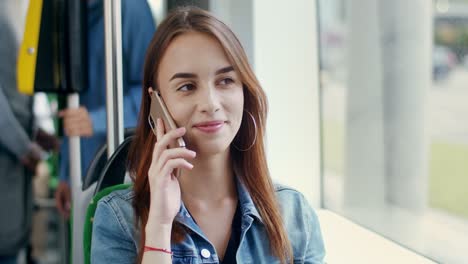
point(252, 163)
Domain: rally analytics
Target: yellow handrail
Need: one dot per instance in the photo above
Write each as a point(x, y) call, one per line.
point(27, 57)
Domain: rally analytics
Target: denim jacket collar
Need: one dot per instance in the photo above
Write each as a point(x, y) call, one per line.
point(246, 203)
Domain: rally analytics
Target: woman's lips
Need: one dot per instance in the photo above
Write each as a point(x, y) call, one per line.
point(209, 127)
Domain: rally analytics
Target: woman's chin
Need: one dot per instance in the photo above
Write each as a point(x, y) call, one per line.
point(211, 148)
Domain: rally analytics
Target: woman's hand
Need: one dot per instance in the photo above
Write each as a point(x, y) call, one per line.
point(164, 191)
point(164, 185)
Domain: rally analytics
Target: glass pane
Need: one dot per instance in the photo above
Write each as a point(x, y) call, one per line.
point(394, 84)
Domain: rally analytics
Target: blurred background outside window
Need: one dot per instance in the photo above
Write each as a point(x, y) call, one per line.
point(394, 110)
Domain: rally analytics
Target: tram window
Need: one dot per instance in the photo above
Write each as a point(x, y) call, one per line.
point(394, 80)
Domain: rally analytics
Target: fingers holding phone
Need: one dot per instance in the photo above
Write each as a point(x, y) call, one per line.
point(164, 185)
point(163, 153)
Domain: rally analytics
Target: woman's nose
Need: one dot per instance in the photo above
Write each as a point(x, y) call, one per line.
point(209, 101)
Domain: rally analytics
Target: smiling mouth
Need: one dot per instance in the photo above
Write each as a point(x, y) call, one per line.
point(210, 127)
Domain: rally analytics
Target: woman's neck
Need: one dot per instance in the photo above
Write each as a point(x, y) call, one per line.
point(210, 180)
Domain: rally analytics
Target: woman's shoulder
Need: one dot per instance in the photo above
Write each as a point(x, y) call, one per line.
point(293, 204)
point(114, 236)
point(287, 193)
point(282, 187)
point(119, 196)
point(117, 206)
point(302, 224)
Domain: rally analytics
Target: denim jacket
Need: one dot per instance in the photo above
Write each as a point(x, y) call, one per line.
point(115, 239)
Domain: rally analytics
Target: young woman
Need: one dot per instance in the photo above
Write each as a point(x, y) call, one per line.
point(223, 206)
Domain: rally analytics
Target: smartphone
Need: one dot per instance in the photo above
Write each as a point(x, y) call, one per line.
point(158, 109)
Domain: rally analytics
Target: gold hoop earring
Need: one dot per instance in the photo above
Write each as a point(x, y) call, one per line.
point(255, 134)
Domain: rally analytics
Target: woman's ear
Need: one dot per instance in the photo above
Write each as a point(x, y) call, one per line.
point(150, 90)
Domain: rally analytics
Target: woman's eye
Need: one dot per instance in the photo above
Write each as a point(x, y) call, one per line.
point(186, 88)
point(226, 81)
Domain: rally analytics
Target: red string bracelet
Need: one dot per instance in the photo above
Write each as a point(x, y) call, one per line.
point(167, 251)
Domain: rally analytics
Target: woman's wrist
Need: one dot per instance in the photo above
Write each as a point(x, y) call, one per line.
point(158, 235)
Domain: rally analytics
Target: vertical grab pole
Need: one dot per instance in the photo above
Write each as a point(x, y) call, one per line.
point(118, 107)
point(114, 81)
point(73, 101)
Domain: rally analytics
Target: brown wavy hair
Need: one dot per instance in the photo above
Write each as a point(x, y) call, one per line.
point(251, 163)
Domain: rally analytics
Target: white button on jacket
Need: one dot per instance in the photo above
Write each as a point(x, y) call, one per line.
point(205, 253)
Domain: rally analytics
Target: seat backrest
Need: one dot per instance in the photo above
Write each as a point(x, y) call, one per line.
point(115, 169)
point(99, 163)
point(88, 226)
point(95, 167)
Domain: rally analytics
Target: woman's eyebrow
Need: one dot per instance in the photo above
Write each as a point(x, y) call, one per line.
point(186, 75)
point(183, 75)
point(224, 70)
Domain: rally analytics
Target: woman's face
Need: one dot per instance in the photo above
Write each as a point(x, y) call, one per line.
point(202, 91)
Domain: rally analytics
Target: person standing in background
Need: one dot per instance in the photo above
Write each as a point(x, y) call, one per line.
point(19, 153)
point(89, 120)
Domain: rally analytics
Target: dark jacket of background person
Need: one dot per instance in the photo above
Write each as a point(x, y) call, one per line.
point(16, 125)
